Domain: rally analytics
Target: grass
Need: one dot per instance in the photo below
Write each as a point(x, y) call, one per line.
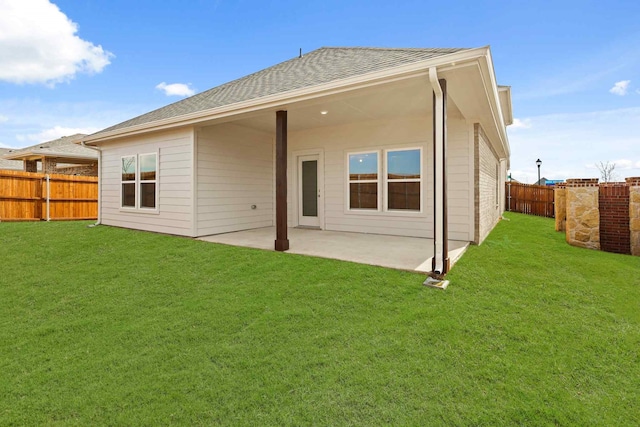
point(106, 326)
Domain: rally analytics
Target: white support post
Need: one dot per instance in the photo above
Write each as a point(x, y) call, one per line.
point(440, 260)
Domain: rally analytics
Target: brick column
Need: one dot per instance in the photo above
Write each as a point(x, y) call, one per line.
point(49, 165)
point(583, 215)
point(31, 166)
point(560, 206)
point(634, 214)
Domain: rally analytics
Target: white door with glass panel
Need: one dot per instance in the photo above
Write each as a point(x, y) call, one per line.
point(308, 191)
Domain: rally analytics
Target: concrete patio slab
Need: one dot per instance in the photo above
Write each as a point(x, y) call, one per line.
point(404, 253)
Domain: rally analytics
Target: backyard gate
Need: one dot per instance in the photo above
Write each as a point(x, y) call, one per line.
point(27, 196)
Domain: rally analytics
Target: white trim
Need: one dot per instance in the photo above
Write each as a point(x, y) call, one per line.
point(488, 76)
point(194, 182)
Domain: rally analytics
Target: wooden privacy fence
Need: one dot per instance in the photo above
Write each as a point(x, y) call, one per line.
point(530, 199)
point(27, 196)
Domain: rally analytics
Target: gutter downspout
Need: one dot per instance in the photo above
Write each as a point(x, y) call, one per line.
point(440, 260)
point(99, 221)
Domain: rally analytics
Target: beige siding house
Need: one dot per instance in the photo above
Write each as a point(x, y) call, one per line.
point(406, 142)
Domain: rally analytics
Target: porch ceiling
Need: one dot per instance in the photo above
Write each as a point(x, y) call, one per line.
point(406, 98)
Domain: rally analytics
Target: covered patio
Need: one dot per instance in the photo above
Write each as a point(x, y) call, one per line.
point(403, 253)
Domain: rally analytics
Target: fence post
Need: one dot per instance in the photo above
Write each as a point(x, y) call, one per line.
point(48, 197)
point(509, 192)
point(560, 202)
point(37, 196)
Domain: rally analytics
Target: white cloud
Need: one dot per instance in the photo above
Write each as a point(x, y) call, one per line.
point(176, 89)
point(38, 44)
point(620, 88)
point(3, 118)
point(626, 164)
point(30, 116)
point(54, 133)
point(521, 124)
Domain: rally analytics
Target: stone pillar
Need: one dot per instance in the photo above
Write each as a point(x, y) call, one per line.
point(31, 166)
point(49, 165)
point(560, 206)
point(634, 214)
point(583, 213)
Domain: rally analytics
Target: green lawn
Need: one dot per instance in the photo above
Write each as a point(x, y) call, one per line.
point(105, 326)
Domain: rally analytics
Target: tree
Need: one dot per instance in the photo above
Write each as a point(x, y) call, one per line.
point(607, 171)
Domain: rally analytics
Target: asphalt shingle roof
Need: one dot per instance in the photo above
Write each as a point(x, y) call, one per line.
point(320, 66)
point(62, 147)
point(9, 164)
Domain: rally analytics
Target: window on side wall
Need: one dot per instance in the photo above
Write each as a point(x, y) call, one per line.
point(404, 179)
point(128, 179)
point(363, 180)
point(148, 173)
point(139, 181)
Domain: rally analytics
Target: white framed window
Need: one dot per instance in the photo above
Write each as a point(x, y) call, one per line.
point(147, 177)
point(403, 179)
point(385, 180)
point(139, 182)
point(128, 182)
point(364, 180)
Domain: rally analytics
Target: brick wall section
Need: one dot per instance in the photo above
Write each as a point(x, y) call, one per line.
point(614, 218)
point(49, 165)
point(31, 166)
point(634, 214)
point(583, 216)
point(84, 170)
point(486, 178)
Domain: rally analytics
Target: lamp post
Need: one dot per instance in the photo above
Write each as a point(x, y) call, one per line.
point(538, 162)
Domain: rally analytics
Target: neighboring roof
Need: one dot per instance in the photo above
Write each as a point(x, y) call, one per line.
point(9, 164)
point(66, 147)
point(320, 66)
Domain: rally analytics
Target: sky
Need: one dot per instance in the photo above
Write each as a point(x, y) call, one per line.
point(69, 66)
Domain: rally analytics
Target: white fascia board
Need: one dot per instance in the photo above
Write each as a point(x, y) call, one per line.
point(286, 98)
point(505, 92)
point(491, 89)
